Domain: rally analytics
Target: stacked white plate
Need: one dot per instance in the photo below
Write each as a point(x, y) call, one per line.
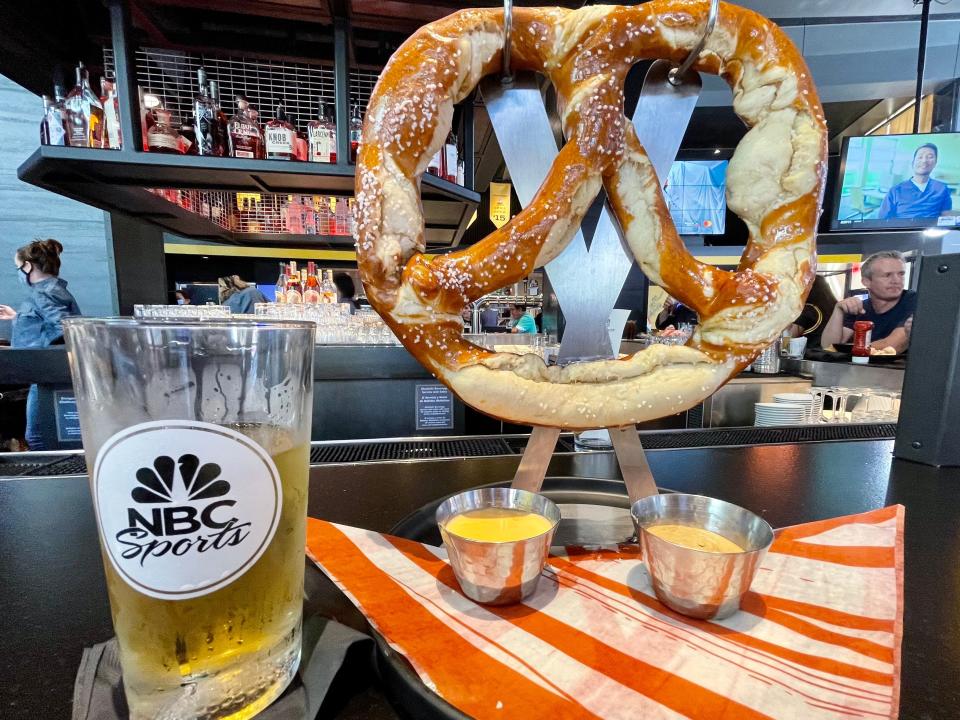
point(778, 414)
point(804, 399)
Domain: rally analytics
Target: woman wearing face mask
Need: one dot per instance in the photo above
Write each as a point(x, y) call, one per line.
point(37, 322)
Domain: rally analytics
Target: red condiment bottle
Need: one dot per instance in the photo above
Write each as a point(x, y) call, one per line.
point(862, 330)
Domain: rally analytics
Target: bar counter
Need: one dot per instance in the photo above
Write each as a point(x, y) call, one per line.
point(54, 598)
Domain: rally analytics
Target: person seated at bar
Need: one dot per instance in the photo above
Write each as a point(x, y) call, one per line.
point(887, 305)
point(919, 196)
point(675, 314)
point(238, 295)
point(816, 312)
point(520, 320)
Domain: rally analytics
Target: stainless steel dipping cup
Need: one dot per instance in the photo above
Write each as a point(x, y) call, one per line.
point(497, 573)
point(697, 583)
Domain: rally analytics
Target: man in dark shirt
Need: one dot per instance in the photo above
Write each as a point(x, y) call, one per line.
point(919, 196)
point(816, 312)
point(888, 305)
point(675, 313)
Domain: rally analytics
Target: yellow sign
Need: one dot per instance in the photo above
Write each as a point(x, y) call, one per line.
point(247, 201)
point(499, 203)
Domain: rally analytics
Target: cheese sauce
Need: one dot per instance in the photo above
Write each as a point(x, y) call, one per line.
point(497, 525)
point(694, 538)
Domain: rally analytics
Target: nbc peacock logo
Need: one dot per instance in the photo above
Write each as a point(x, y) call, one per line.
point(198, 482)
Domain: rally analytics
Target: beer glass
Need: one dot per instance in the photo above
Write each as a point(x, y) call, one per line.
point(197, 436)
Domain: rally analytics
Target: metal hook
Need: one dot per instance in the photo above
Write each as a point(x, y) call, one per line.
point(506, 76)
point(676, 75)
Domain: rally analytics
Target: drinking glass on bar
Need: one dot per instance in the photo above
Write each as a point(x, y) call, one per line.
point(197, 433)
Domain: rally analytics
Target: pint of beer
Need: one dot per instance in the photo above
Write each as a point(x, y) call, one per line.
point(197, 436)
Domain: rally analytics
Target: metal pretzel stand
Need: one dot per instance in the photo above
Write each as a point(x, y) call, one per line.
point(588, 282)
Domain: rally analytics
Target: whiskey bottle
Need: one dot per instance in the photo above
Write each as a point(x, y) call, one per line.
point(280, 137)
point(162, 137)
point(328, 289)
point(435, 166)
point(111, 115)
point(294, 288)
point(342, 217)
point(322, 133)
point(281, 287)
point(53, 128)
point(246, 140)
point(450, 158)
point(188, 138)
point(220, 122)
point(84, 113)
point(204, 116)
point(356, 131)
point(311, 293)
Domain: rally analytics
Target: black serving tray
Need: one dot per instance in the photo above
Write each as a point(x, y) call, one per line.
point(602, 510)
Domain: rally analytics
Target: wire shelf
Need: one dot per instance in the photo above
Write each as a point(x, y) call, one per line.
point(267, 213)
point(172, 74)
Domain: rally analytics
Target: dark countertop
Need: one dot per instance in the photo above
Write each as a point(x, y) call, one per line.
point(54, 602)
point(331, 362)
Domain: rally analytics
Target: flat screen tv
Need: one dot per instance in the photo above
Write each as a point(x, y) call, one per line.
point(696, 196)
point(898, 182)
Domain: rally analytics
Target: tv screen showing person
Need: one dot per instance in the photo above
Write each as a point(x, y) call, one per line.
point(919, 196)
point(899, 181)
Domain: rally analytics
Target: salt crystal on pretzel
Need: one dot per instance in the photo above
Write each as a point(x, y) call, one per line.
point(775, 184)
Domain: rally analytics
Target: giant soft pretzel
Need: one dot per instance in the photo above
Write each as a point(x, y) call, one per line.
point(774, 183)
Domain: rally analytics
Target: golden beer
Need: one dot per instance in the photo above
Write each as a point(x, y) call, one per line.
point(243, 641)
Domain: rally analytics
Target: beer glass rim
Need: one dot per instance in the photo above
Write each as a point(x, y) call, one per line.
point(193, 324)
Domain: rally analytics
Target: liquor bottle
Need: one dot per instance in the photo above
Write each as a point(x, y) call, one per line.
point(162, 137)
point(53, 128)
point(280, 137)
point(328, 289)
point(294, 287)
point(281, 287)
point(246, 140)
point(188, 138)
point(111, 115)
point(148, 103)
point(435, 166)
point(342, 217)
point(84, 113)
point(204, 116)
point(356, 131)
point(220, 122)
point(311, 292)
point(450, 158)
point(322, 133)
point(301, 148)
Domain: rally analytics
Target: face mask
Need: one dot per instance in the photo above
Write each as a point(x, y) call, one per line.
point(179, 301)
point(23, 276)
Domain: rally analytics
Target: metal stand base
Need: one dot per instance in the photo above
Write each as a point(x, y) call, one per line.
point(626, 445)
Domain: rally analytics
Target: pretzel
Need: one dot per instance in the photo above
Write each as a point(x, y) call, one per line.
point(774, 183)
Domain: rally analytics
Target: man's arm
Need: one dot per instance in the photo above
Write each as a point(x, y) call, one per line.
point(899, 340)
point(835, 332)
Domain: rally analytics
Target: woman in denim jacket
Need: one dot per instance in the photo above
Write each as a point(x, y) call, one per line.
point(37, 322)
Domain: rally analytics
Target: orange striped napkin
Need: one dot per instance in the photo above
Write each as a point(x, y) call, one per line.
point(818, 636)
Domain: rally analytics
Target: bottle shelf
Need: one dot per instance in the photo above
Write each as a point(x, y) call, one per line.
point(117, 181)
